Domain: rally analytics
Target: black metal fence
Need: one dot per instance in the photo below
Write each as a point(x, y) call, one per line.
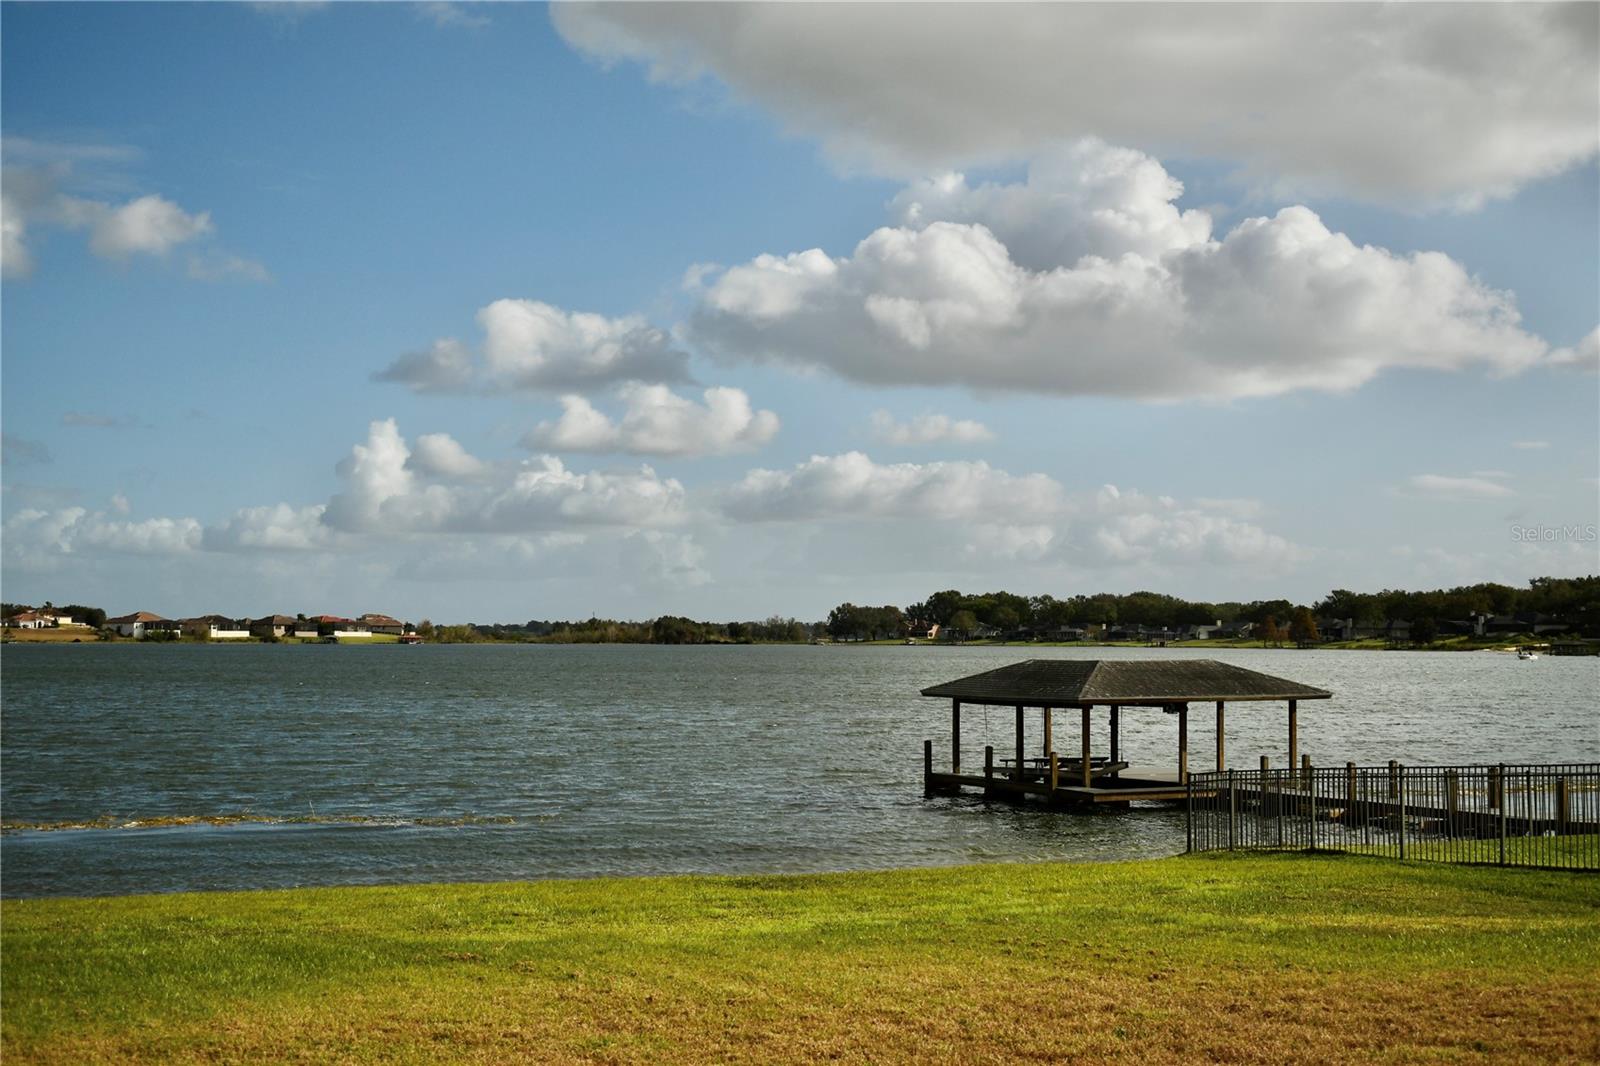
point(1526, 815)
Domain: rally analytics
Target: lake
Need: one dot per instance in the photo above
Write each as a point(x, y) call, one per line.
point(474, 762)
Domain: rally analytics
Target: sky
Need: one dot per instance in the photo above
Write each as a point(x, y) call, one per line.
point(500, 312)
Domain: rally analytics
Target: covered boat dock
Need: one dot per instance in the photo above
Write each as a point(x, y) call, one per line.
point(1049, 685)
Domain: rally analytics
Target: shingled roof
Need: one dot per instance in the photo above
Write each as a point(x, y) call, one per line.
point(1070, 682)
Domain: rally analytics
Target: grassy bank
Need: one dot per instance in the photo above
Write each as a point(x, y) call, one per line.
point(1222, 958)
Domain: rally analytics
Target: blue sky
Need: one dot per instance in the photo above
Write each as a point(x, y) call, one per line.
point(235, 233)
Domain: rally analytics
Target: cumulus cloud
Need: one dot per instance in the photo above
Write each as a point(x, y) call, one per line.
point(39, 187)
point(659, 422)
point(36, 537)
point(536, 346)
point(277, 527)
point(1031, 517)
point(441, 455)
point(1445, 487)
point(1146, 304)
point(928, 429)
point(1405, 102)
point(150, 225)
point(385, 492)
point(852, 485)
point(1585, 354)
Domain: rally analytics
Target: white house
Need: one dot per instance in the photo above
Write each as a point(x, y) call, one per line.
point(133, 625)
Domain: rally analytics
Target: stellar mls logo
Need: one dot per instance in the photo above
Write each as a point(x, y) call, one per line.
point(1555, 534)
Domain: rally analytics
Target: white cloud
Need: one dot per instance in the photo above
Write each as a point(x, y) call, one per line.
point(533, 345)
point(1144, 304)
point(36, 539)
point(1031, 518)
point(658, 422)
point(33, 192)
point(384, 492)
point(1082, 198)
point(653, 559)
point(1584, 355)
point(449, 15)
point(276, 527)
point(441, 455)
point(928, 429)
point(1412, 102)
point(149, 225)
point(853, 486)
point(1445, 487)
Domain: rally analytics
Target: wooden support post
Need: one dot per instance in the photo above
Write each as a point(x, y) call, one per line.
point(1084, 775)
point(1055, 774)
point(955, 736)
point(1497, 787)
point(1294, 735)
point(1183, 743)
point(988, 760)
point(1305, 772)
point(1116, 728)
point(1265, 763)
point(927, 766)
point(1049, 743)
point(1350, 792)
point(1394, 780)
point(1563, 806)
point(1020, 753)
point(1452, 799)
point(1222, 748)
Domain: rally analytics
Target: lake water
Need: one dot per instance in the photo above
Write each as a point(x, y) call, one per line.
point(454, 763)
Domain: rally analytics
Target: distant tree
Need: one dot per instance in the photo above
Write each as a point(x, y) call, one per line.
point(425, 629)
point(1303, 627)
point(1267, 630)
point(962, 623)
point(93, 616)
point(1424, 630)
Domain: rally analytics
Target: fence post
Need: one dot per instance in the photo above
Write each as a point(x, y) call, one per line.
point(1188, 804)
point(1233, 813)
point(1399, 779)
point(1563, 807)
point(1452, 799)
point(1310, 784)
point(1394, 780)
point(1499, 791)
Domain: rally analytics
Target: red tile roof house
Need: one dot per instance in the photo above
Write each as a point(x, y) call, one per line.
point(133, 625)
point(28, 620)
point(331, 625)
point(382, 623)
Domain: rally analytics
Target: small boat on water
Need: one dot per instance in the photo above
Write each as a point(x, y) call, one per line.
point(1527, 653)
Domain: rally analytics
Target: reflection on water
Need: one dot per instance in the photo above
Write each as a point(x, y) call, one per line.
point(382, 764)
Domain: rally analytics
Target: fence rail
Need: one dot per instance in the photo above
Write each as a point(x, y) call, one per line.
point(1545, 816)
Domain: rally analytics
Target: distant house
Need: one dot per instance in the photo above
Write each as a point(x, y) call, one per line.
point(65, 620)
point(30, 620)
point(382, 623)
point(331, 625)
point(134, 625)
point(216, 627)
point(1233, 630)
point(282, 626)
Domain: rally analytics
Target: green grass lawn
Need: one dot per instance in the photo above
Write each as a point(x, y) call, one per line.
point(1225, 958)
